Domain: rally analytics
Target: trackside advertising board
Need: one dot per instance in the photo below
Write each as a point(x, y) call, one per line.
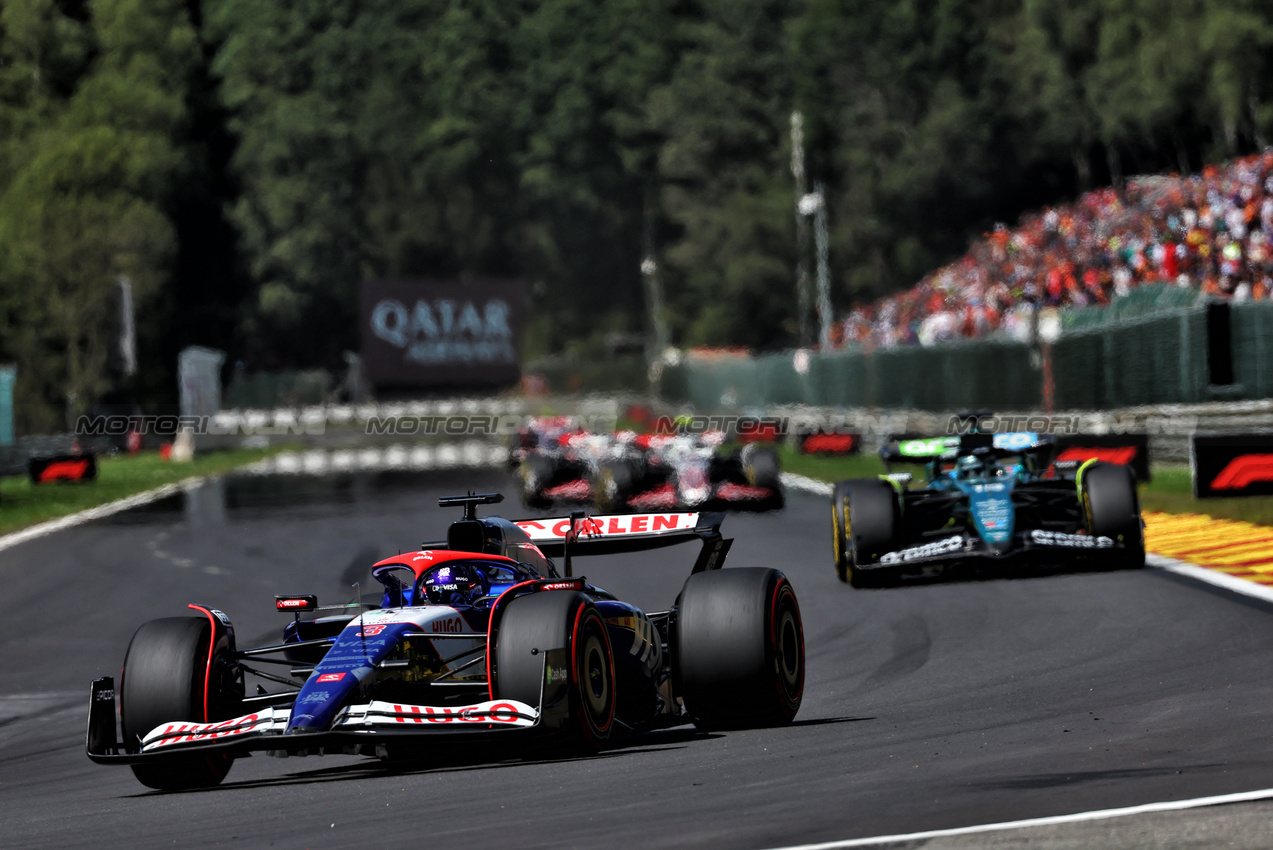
point(77, 467)
point(427, 332)
point(1130, 449)
point(1232, 465)
point(828, 441)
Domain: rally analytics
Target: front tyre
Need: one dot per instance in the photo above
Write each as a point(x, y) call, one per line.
point(537, 473)
point(1111, 509)
point(839, 528)
point(870, 527)
point(613, 486)
point(538, 622)
point(761, 468)
point(739, 659)
point(167, 677)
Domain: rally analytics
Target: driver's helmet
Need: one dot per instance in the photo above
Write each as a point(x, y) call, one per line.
point(458, 584)
point(968, 467)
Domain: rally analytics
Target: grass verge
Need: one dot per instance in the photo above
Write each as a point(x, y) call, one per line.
point(24, 504)
point(1170, 490)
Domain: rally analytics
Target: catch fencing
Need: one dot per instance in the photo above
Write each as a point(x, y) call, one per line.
point(1184, 355)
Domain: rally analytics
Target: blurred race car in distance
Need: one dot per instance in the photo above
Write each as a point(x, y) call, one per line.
point(989, 499)
point(689, 472)
point(477, 635)
point(554, 457)
point(559, 462)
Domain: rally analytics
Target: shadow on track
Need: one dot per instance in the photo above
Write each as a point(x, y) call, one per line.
point(963, 573)
point(457, 757)
point(1056, 780)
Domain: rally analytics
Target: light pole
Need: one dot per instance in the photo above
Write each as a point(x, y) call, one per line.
point(815, 204)
point(802, 227)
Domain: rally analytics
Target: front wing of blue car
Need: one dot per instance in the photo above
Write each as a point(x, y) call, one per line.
point(357, 728)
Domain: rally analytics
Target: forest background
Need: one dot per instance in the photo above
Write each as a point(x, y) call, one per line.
point(245, 165)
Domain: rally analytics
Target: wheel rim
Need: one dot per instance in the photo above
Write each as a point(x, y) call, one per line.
point(596, 685)
point(594, 674)
point(788, 646)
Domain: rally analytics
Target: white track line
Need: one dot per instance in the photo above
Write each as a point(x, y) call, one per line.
point(11, 540)
point(1101, 814)
point(318, 462)
point(1212, 577)
point(1219, 579)
point(808, 485)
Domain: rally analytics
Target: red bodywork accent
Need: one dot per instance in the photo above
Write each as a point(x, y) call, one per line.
point(1109, 454)
point(490, 631)
point(578, 490)
point(660, 498)
point(1243, 471)
point(212, 645)
point(742, 493)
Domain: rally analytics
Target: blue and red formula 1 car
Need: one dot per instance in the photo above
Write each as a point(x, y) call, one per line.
point(478, 635)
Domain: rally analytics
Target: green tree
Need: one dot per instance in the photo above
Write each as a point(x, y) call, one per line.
point(726, 187)
point(88, 173)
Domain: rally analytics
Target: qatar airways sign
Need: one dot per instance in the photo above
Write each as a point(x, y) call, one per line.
point(424, 332)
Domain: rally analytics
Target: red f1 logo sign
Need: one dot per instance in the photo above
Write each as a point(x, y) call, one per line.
point(1109, 454)
point(1243, 471)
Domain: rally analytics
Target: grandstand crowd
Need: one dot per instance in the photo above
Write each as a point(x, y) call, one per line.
point(1212, 232)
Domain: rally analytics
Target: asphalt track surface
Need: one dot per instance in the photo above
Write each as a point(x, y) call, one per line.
point(926, 707)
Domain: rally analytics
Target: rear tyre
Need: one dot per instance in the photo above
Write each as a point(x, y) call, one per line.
point(613, 486)
point(536, 473)
point(739, 658)
point(871, 529)
point(761, 469)
point(1112, 509)
point(166, 678)
point(551, 620)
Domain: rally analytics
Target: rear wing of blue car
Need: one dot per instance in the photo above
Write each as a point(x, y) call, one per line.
point(580, 534)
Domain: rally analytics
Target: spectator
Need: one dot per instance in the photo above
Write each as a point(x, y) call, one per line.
point(1209, 231)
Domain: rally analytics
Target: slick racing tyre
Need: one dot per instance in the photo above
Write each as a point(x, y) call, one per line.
point(866, 524)
point(739, 649)
point(761, 469)
point(538, 622)
point(166, 677)
point(839, 529)
point(536, 474)
point(1112, 509)
point(613, 486)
